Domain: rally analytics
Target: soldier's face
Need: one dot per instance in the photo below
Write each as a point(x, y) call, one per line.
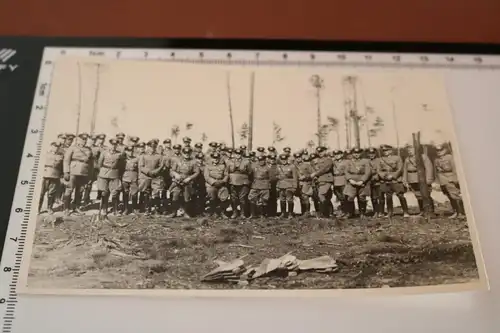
point(129, 153)
point(61, 140)
point(140, 150)
point(372, 155)
point(120, 140)
point(186, 155)
point(410, 152)
point(262, 162)
point(53, 148)
point(168, 145)
point(387, 152)
point(356, 155)
point(69, 142)
point(441, 152)
point(80, 141)
point(177, 151)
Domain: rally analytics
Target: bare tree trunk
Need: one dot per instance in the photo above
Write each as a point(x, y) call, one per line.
point(396, 127)
point(96, 99)
point(318, 116)
point(79, 110)
point(424, 188)
point(250, 113)
point(354, 113)
point(228, 84)
point(338, 138)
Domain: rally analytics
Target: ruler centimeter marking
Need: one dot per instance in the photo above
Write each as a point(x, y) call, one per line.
point(23, 198)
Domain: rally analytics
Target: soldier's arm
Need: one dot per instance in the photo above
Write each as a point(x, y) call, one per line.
point(206, 174)
point(405, 171)
point(161, 166)
point(380, 170)
point(141, 164)
point(67, 159)
point(100, 161)
point(325, 168)
point(295, 176)
point(399, 170)
point(348, 174)
point(173, 173)
point(429, 169)
point(225, 177)
point(368, 172)
point(196, 173)
point(453, 166)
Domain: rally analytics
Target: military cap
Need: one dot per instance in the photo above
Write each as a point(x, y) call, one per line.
point(238, 152)
point(55, 144)
point(93, 136)
point(331, 154)
point(186, 150)
point(440, 147)
point(156, 140)
point(283, 156)
point(141, 145)
point(306, 158)
point(262, 157)
point(271, 156)
point(113, 141)
point(243, 147)
point(222, 144)
point(186, 139)
point(287, 149)
point(199, 145)
point(134, 139)
point(152, 143)
point(246, 155)
point(177, 147)
point(372, 150)
point(320, 149)
point(261, 149)
point(229, 150)
point(213, 144)
point(252, 154)
point(271, 148)
point(200, 156)
point(61, 136)
point(167, 141)
point(215, 155)
point(338, 152)
point(357, 151)
point(313, 156)
point(83, 136)
point(120, 135)
point(70, 136)
point(386, 147)
point(297, 155)
point(128, 148)
point(305, 152)
point(101, 136)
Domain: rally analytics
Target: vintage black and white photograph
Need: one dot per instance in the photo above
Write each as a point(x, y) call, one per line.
point(164, 175)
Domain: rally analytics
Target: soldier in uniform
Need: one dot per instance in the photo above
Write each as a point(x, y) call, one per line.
point(390, 171)
point(110, 165)
point(288, 152)
point(304, 172)
point(212, 147)
point(187, 142)
point(216, 177)
point(253, 158)
point(339, 181)
point(377, 198)
point(53, 170)
point(199, 189)
point(61, 139)
point(447, 178)
point(130, 183)
point(198, 149)
point(261, 151)
point(70, 137)
point(120, 137)
point(287, 186)
point(132, 141)
point(167, 147)
point(140, 149)
point(239, 171)
point(259, 191)
point(151, 165)
point(271, 150)
point(323, 179)
point(183, 172)
point(273, 192)
point(410, 176)
point(314, 162)
point(244, 149)
point(357, 174)
point(78, 163)
point(91, 143)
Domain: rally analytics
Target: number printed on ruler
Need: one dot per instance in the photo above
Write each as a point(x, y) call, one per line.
point(24, 195)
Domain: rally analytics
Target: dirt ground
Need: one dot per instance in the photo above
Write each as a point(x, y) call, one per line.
point(156, 252)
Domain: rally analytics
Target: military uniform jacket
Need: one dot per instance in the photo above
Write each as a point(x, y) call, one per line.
point(96, 152)
point(324, 170)
point(131, 173)
point(273, 173)
point(445, 170)
point(53, 167)
point(215, 172)
point(410, 170)
point(78, 161)
point(239, 172)
point(150, 165)
point(375, 178)
point(261, 175)
point(339, 172)
point(390, 165)
point(110, 164)
point(304, 171)
point(358, 170)
point(287, 176)
point(185, 169)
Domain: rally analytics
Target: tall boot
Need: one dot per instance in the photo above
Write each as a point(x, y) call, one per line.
point(188, 209)
point(404, 205)
point(234, 207)
point(66, 204)
point(86, 194)
point(140, 203)
point(316, 207)
point(390, 206)
point(246, 208)
point(324, 209)
point(291, 207)
point(174, 206)
point(350, 208)
point(147, 204)
point(362, 208)
point(264, 209)
point(253, 210)
point(302, 208)
point(104, 204)
point(135, 204)
point(126, 206)
point(99, 195)
point(157, 205)
point(115, 203)
point(375, 206)
point(40, 204)
point(432, 207)
point(381, 205)
point(283, 213)
point(454, 205)
point(420, 206)
point(461, 208)
point(307, 208)
point(50, 204)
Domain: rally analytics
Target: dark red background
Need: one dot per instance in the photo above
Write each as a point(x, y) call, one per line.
point(368, 20)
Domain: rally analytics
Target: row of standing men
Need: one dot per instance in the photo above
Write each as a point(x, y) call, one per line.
point(154, 178)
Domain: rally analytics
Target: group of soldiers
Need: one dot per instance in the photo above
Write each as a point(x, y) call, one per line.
point(152, 178)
